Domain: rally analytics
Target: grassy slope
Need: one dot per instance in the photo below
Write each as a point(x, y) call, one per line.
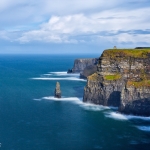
point(136, 53)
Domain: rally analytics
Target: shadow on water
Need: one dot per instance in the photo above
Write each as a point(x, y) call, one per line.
point(79, 91)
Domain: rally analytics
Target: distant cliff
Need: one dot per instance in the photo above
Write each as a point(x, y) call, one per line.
point(89, 70)
point(122, 79)
point(85, 67)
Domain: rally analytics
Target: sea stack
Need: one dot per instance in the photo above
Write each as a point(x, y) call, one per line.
point(57, 90)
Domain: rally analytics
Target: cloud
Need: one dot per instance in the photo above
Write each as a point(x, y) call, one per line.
point(106, 24)
point(32, 13)
point(58, 6)
point(76, 21)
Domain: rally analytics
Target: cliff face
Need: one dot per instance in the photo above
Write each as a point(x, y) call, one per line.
point(103, 92)
point(89, 70)
point(81, 64)
point(122, 79)
point(135, 101)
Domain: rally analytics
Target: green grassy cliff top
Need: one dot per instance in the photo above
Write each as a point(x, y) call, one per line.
point(96, 77)
point(112, 77)
point(143, 83)
point(136, 53)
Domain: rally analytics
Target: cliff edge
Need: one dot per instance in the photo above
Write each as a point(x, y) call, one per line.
point(85, 67)
point(122, 79)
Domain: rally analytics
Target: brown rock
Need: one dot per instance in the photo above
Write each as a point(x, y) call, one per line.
point(57, 93)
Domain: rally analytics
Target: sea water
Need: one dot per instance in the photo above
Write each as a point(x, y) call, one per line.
point(32, 119)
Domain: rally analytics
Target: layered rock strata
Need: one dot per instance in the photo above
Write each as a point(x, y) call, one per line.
point(89, 70)
point(122, 79)
point(81, 64)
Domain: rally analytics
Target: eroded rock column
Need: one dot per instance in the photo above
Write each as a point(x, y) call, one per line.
point(57, 93)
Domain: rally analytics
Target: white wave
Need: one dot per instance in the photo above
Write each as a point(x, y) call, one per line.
point(119, 116)
point(37, 99)
point(114, 108)
point(67, 78)
point(116, 116)
point(138, 117)
point(144, 128)
point(64, 74)
point(62, 99)
point(78, 101)
point(94, 107)
point(71, 74)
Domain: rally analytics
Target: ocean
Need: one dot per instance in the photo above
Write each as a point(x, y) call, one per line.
point(32, 119)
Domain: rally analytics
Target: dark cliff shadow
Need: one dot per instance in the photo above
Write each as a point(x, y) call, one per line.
point(114, 99)
point(138, 107)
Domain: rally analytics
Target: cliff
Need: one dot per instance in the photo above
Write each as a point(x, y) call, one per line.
point(122, 79)
point(89, 70)
point(81, 64)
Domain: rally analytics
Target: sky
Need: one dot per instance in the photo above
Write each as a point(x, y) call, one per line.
point(72, 26)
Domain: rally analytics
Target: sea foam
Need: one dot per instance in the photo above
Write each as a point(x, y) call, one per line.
point(61, 76)
point(66, 78)
point(63, 73)
point(78, 101)
point(119, 116)
point(37, 99)
point(60, 72)
point(116, 116)
point(93, 107)
point(62, 99)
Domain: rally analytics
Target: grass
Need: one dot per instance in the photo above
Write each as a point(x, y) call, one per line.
point(136, 53)
point(143, 83)
point(112, 77)
point(93, 77)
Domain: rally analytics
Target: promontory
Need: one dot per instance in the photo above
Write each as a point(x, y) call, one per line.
point(122, 79)
point(84, 66)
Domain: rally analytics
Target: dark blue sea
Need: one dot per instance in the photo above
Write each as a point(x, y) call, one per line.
point(32, 119)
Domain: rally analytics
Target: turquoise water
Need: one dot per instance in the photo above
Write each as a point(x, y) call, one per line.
point(31, 119)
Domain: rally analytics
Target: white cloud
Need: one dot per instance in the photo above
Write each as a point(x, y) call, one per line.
point(69, 28)
point(59, 6)
point(74, 21)
point(29, 12)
